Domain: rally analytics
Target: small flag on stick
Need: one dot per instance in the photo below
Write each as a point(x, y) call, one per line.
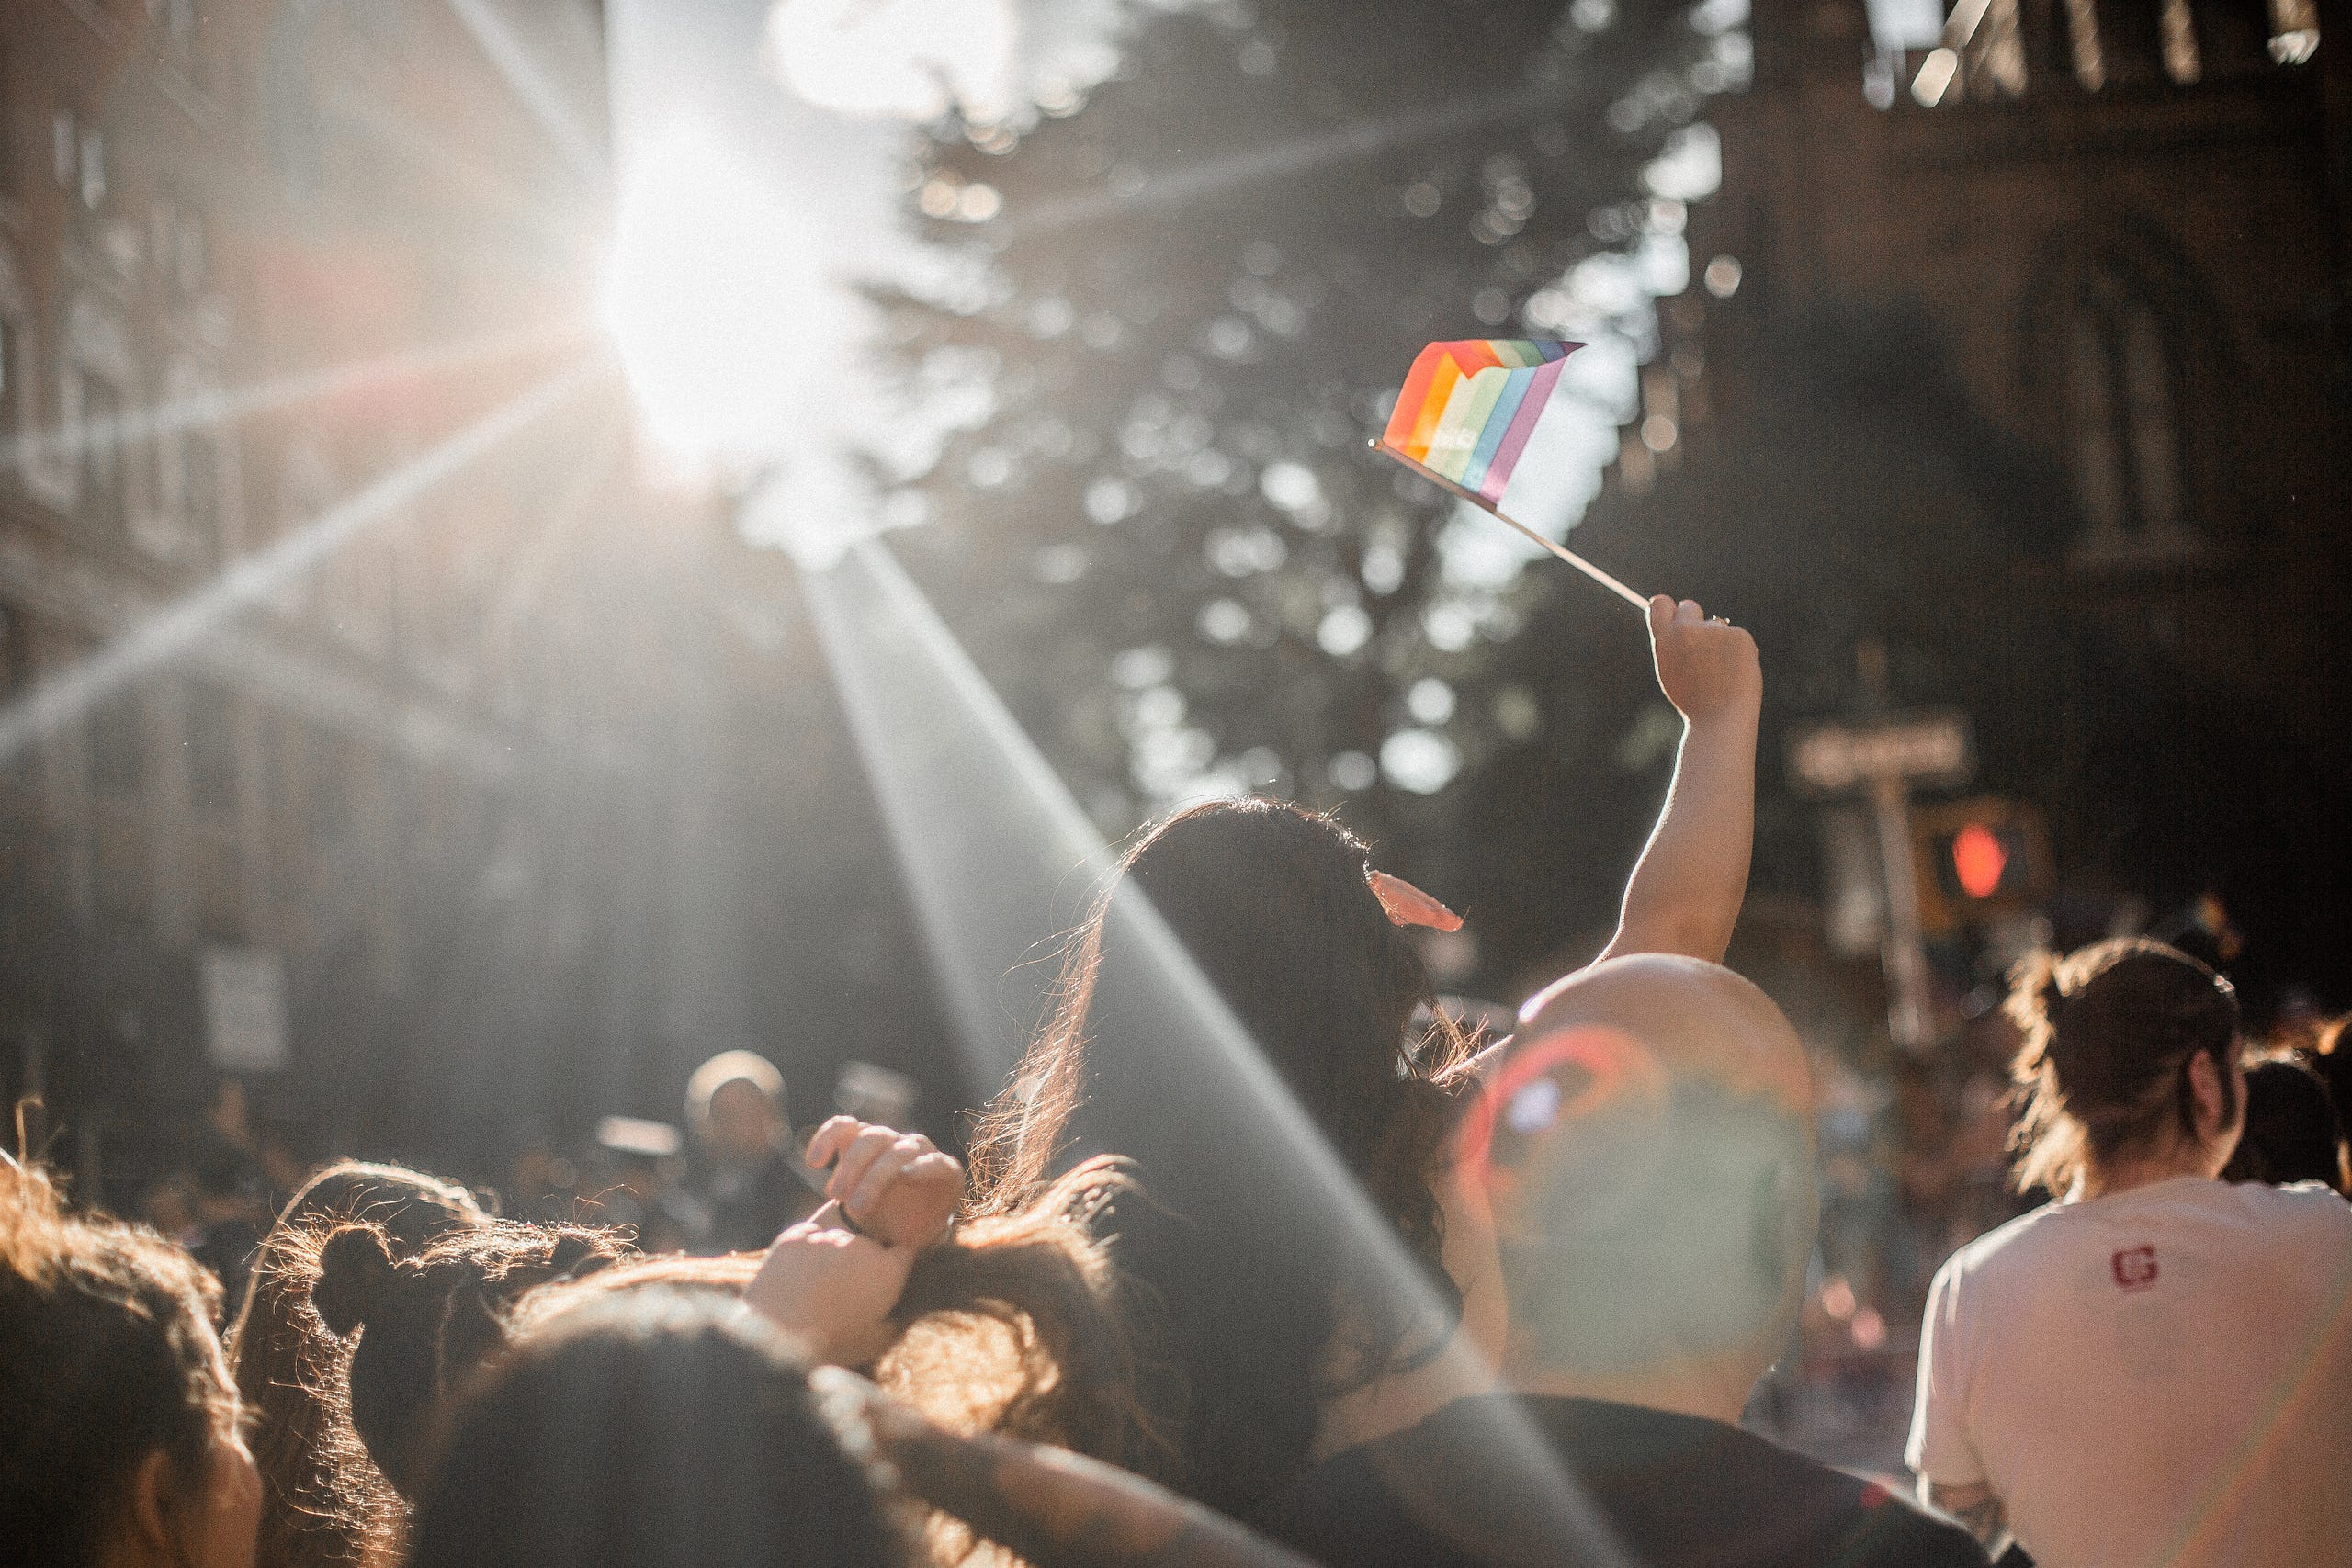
point(1464, 416)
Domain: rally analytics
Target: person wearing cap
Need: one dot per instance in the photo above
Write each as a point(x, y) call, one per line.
point(1644, 1149)
point(749, 1170)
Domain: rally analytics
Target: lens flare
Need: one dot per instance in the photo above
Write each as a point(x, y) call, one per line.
point(999, 858)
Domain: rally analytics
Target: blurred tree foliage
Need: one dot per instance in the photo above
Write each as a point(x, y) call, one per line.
point(1170, 315)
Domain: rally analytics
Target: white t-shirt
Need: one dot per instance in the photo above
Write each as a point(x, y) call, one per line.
point(2159, 1376)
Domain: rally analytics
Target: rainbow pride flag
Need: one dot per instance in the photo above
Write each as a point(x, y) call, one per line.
point(1468, 407)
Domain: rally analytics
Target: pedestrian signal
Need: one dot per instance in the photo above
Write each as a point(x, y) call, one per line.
point(1979, 857)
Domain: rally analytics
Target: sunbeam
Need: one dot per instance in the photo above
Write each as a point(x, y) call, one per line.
point(59, 698)
point(528, 573)
point(531, 85)
point(66, 444)
point(1178, 187)
point(999, 857)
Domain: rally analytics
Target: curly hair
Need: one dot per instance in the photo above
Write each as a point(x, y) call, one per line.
point(324, 1504)
point(2110, 1031)
point(426, 1323)
point(110, 1356)
point(1246, 1292)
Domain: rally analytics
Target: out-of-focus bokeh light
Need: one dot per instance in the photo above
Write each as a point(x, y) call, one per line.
point(705, 296)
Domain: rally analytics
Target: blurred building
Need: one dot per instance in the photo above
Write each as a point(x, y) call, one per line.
point(2019, 350)
point(452, 814)
point(2126, 223)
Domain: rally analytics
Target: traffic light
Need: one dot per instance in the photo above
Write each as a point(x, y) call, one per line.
point(1978, 858)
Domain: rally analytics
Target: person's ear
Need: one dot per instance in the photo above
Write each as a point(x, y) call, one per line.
point(2212, 1096)
point(1408, 906)
point(148, 1527)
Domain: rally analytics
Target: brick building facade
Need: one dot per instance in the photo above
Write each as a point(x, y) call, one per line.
point(469, 774)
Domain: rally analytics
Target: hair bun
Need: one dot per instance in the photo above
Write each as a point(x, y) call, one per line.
point(356, 1272)
point(577, 1253)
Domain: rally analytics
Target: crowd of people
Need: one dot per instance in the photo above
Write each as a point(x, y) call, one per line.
point(1377, 1291)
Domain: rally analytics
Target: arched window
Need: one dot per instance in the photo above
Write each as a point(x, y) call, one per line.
point(2124, 432)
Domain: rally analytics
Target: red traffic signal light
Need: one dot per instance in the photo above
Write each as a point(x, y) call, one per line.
point(1979, 856)
point(1979, 860)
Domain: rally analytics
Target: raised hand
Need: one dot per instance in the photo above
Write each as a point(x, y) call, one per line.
point(895, 1187)
point(1708, 668)
point(832, 1288)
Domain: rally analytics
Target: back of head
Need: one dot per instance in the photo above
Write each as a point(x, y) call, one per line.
point(1646, 1143)
point(661, 1427)
point(727, 1071)
point(2110, 1031)
point(2291, 1131)
point(427, 1322)
point(1273, 906)
point(107, 1357)
point(324, 1502)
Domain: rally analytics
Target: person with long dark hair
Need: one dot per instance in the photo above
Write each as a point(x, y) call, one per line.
point(1274, 1336)
point(2150, 1367)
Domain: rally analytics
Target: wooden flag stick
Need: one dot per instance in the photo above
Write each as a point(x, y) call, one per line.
point(1483, 504)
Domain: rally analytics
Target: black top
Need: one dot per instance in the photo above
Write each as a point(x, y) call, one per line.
point(749, 1205)
point(1675, 1490)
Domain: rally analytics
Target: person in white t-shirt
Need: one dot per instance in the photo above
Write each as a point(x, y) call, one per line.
point(2156, 1366)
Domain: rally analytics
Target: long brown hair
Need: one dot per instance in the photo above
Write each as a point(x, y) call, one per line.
point(323, 1503)
point(1247, 1284)
point(2110, 1032)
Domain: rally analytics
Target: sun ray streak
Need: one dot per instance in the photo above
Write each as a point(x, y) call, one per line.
point(66, 444)
point(988, 839)
point(59, 698)
point(531, 84)
point(527, 576)
point(1182, 187)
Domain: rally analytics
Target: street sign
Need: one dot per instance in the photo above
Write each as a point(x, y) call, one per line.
point(1884, 759)
point(1932, 749)
point(244, 1010)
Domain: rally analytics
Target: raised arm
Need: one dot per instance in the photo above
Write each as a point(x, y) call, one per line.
point(1046, 1505)
point(1685, 892)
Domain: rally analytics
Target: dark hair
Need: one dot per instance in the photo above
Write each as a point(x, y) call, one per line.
point(109, 1356)
point(657, 1427)
point(2110, 1031)
point(1249, 1287)
point(2291, 1131)
point(426, 1323)
point(324, 1502)
point(2330, 1057)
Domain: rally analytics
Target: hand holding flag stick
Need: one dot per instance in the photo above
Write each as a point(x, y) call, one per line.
point(1463, 417)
